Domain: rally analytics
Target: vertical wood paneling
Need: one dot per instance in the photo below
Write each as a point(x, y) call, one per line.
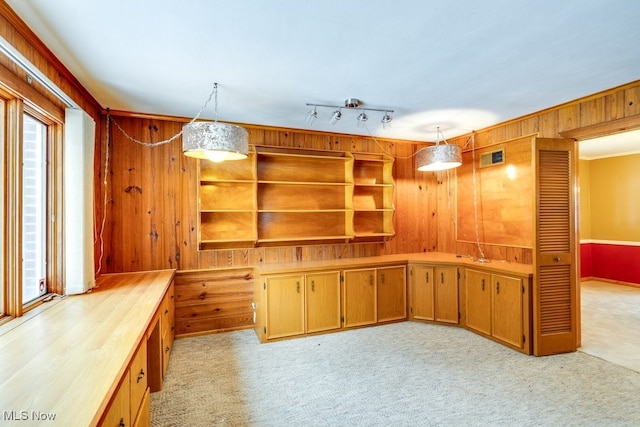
point(152, 219)
point(613, 106)
point(592, 111)
point(569, 118)
point(632, 101)
point(423, 201)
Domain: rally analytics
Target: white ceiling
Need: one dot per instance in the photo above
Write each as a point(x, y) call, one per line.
point(455, 64)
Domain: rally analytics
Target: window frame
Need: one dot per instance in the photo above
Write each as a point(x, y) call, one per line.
point(52, 116)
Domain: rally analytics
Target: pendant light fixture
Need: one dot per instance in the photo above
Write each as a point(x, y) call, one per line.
point(214, 140)
point(439, 156)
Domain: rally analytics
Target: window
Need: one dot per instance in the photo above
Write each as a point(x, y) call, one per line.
point(31, 153)
point(34, 209)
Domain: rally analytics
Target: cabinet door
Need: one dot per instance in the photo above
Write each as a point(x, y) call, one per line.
point(507, 310)
point(138, 378)
point(422, 297)
point(118, 413)
point(359, 297)
point(446, 294)
point(143, 418)
point(167, 322)
point(478, 300)
point(285, 306)
point(323, 301)
point(392, 293)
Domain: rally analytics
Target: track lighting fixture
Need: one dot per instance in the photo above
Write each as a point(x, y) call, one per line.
point(349, 104)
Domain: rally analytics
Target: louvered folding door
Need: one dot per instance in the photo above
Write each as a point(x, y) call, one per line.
point(555, 300)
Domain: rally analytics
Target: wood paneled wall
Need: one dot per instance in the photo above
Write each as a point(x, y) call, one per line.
point(611, 111)
point(151, 210)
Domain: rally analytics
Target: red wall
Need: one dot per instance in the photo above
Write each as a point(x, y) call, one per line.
point(611, 261)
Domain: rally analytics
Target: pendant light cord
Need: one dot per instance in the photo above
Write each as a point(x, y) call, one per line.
point(99, 234)
point(475, 199)
point(214, 93)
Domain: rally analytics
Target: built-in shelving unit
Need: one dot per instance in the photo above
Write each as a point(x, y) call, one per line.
point(373, 197)
point(304, 196)
point(285, 196)
point(227, 203)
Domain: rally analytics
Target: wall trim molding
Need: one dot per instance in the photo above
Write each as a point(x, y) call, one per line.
point(609, 242)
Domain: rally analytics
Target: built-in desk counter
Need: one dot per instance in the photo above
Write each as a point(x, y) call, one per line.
point(64, 365)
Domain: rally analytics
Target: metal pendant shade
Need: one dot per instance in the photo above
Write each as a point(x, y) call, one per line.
point(215, 141)
point(439, 157)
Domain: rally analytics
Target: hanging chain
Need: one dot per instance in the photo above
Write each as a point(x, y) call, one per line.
point(213, 93)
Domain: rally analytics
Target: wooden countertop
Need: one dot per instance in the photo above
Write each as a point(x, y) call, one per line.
point(67, 361)
point(440, 258)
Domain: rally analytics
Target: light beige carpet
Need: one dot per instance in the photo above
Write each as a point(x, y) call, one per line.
point(403, 374)
point(611, 322)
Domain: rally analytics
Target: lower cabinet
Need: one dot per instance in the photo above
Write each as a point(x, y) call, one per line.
point(301, 303)
point(294, 303)
point(374, 295)
point(391, 293)
point(497, 306)
point(160, 336)
point(167, 326)
point(285, 306)
point(129, 402)
point(360, 297)
point(119, 414)
point(434, 293)
point(322, 292)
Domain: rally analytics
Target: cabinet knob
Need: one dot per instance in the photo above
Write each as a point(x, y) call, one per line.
point(371, 280)
point(140, 376)
point(313, 286)
point(442, 277)
point(497, 287)
point(298, 287)
point(556, 259)
point(382, 277)
point(427, 277)
point(166, 350)
point(121, 423)
point(483, 284)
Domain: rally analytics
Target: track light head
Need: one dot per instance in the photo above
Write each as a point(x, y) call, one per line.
point(362, 117)
point(337, 115)
point(312, 115)
point(386, 120)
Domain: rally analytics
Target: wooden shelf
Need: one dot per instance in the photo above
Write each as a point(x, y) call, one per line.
point(225, 210)
point(337, 184)
point(303, 210)
point(373, 197)
point(284, 195)
point(306, 238)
